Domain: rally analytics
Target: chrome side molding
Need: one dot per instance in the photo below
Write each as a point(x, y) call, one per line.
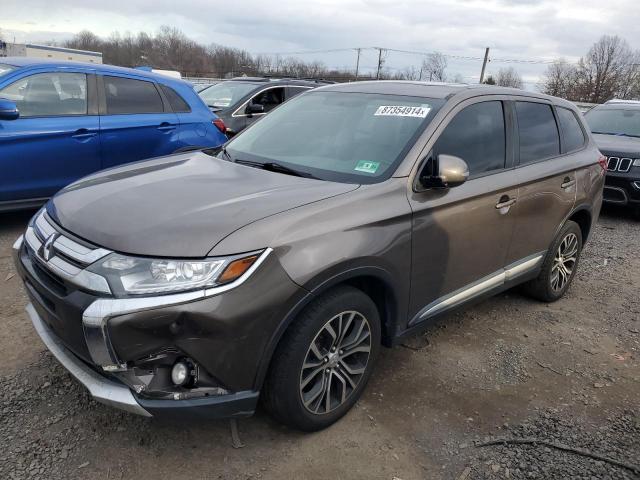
point(479, 287)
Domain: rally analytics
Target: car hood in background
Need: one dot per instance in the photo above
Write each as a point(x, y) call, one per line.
point(618, 145)
point(179, 206)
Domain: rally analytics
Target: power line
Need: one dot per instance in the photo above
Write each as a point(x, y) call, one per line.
point(529, 61)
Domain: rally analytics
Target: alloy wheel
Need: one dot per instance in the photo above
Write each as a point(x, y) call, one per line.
point(335, 362)
point(564, 262)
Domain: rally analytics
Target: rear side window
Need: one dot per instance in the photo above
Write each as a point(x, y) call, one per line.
point(538, 132)
point(49, 94)
point(125, 95)
point(477, 135)
point(572, 135)
point(178, 104)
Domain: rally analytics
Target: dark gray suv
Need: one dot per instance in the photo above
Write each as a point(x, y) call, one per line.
point(616, 129)
point(276, 267)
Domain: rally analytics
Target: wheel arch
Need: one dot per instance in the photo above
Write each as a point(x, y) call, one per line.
point(583, 217)
point(376, 282)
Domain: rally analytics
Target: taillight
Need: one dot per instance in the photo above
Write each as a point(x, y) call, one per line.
point(220, 125)
point(602, 161)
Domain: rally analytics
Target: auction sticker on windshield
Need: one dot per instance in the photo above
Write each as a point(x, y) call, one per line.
point(367, 167)
point(402, 111)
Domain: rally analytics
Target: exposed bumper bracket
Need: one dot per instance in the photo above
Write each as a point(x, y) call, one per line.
point(100, 388)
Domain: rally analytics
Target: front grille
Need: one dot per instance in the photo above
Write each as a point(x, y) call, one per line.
point(619, 164)
point(62, 258)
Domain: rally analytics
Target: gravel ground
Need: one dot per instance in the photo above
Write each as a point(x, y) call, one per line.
point(508, 368)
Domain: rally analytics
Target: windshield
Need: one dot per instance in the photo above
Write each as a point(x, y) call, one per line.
point(343, 137)
point(225, 94)
point(5, 68)
point(614, 121)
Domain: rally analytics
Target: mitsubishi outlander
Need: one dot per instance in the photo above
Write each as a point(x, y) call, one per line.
point(277, 266)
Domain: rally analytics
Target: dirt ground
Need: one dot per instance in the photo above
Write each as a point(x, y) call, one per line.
point(565, 374)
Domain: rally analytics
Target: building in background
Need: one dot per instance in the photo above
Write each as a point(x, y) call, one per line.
point(46, 51)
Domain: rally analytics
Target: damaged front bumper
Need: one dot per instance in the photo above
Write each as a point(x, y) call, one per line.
point(117, 395)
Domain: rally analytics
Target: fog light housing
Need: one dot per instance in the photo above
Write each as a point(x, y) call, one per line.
point(180, 373)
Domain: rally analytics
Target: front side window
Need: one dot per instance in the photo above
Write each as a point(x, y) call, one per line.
point(226, 94)
point(339, 136)
point(128, 96)
point(269, 99)
point(537, 131)
point(572, 135)
point(614, 121)
point(477, 135)
point(49, 94)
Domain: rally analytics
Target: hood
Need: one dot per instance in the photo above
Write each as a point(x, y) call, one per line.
point(618, 145)
point(179, 206)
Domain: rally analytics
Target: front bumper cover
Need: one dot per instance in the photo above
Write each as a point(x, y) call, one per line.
point(116, 394)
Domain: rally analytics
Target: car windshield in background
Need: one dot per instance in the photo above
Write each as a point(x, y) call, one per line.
point(614, 121)
point(343, 137)
point(4, 69)
point(225, 94)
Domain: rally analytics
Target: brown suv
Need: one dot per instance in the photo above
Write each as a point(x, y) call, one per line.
point(347, 219)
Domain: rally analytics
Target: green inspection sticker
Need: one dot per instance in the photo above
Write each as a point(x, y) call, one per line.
point(367, 167)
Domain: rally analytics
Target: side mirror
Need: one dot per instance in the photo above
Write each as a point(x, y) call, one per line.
point(8, 110)
point(254, 108)
point(447, 171)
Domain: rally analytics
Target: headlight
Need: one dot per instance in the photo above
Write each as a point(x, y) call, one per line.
point(141, 276)
point(636, 162)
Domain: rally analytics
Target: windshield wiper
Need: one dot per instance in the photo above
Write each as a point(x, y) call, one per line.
point(275, 167)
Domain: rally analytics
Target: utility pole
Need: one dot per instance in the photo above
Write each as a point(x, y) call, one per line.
point(484, 64)
point(379, 62)
point(358, 63)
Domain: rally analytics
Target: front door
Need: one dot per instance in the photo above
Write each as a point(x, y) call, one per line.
point(53, 142)
point(461, 235)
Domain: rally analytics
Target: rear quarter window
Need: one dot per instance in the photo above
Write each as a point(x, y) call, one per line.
point(178, 104)
point(537, 132)
point(572, 135)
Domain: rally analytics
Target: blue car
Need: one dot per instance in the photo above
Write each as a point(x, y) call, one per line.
point(60, 121)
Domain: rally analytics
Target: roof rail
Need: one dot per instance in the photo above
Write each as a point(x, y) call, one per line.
point(620, 100)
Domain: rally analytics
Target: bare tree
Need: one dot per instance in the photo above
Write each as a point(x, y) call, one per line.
point(560, 79)
point(433, 67)
point(604, 68)
point(509, 77)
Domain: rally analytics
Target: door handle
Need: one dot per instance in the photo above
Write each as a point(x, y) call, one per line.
point(505, 202)
point(83, 133)
point(165, 127)
point(568, 182)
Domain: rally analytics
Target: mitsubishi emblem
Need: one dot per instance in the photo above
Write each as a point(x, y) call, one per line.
point(47, 248)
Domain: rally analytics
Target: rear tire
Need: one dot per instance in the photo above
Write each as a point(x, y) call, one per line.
point(559, 267)
point(324, 360)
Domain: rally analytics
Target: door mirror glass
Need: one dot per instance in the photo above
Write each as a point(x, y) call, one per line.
point(446, 171)
point(8, 110)
point(255, 108)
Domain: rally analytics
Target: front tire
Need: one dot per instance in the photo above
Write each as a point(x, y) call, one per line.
point(324, 360)
point(560, 265)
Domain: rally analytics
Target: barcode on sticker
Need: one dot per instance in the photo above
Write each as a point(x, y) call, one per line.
point(402, 111)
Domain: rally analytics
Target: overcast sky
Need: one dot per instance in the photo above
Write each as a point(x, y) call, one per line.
point(514, 29)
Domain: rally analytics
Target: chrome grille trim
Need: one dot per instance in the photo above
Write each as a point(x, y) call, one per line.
point(36, 238)
point(619, 164)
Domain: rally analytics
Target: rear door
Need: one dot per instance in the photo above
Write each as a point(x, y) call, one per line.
point(292, 91)
point(461, 235)
point(546, 178)
point(55, 139)
point(135, 123)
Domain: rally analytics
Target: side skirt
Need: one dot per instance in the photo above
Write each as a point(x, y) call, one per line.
point(506, 277)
